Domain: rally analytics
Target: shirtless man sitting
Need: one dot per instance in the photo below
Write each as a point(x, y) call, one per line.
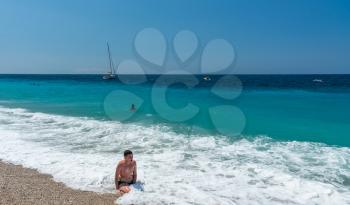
point(126, 173)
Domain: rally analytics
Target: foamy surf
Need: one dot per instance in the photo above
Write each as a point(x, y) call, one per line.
point(176, 169)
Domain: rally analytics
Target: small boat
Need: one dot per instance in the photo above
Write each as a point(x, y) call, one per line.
point(317, 80)
point(206, 78)
point(108, 76)
point(111, 74)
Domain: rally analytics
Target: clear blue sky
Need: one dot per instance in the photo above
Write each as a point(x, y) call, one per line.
point(270, 36)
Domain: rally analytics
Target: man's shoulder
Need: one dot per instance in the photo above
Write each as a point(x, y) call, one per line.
point(121, 162)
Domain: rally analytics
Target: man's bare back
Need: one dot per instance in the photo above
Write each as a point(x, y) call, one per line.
point(126, 173)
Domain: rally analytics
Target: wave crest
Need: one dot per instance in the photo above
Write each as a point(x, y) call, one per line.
point(175, 168)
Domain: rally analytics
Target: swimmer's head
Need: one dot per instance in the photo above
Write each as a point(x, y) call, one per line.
point(128, 156)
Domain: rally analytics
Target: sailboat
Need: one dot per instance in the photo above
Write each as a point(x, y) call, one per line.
point(111, 74)
point(206, 78)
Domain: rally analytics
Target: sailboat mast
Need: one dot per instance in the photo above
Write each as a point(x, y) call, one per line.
point(110, 60)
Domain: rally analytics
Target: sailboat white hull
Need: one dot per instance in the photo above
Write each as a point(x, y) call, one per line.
point(108, 77)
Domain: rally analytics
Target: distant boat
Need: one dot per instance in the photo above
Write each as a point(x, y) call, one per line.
point(206, 78)
point(318, 80)
point(111, 74)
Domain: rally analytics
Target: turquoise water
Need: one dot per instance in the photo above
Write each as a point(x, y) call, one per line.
point(308, 113)
point(293, 149)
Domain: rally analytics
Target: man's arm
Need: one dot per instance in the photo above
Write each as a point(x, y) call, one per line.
point(135, 174)
point(116, 177)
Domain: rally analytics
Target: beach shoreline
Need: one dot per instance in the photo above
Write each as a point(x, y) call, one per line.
point(20, 185)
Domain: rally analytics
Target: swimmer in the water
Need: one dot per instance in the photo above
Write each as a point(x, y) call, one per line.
point(125, 174)
point(133, 108)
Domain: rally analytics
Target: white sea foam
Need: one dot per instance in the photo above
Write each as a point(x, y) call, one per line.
point(176, 169)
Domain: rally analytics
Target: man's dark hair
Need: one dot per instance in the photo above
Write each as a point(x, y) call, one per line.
point(127, 152)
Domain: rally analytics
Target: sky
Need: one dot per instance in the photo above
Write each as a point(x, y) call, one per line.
point(268, 36)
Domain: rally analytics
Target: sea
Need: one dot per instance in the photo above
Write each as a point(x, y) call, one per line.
point(201, 140)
